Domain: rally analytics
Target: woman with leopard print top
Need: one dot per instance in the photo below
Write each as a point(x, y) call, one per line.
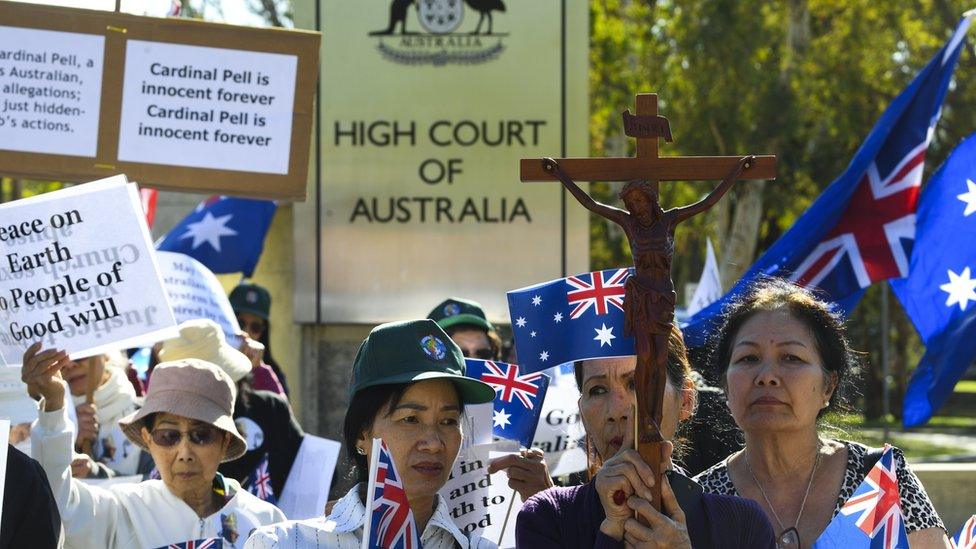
point(782, 355)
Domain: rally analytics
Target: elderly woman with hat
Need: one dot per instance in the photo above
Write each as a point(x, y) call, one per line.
point(409, 389)
point(264, 418)
point(186, 425)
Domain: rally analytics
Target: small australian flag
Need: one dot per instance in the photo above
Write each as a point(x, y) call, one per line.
point(518, 398)
point(574, 318)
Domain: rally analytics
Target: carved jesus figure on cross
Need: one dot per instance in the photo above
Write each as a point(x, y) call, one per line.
point(649, 307)
point(650, 297)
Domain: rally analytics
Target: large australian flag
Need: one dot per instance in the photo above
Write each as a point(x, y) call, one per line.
point(226, 234)
point(860, 229)
point(518, 397)
point(939, 294)
point(573, 318)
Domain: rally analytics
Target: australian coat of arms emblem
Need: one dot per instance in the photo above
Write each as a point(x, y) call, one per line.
point(441, 32)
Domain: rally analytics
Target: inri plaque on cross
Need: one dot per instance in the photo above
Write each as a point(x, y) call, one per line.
point(650, 297)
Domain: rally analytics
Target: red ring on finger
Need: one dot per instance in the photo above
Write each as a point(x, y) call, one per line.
point(619, 497)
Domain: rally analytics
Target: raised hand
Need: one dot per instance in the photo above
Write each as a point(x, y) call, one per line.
point(252, 349)
point(42, 374)
point(528, 473)
point(87, 425)
point(666, 529)
point(621, 477)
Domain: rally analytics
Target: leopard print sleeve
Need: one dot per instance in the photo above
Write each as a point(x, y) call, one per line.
point(915, 503)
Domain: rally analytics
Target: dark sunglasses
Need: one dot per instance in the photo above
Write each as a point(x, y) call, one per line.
point(200, 436)
point(483, 353)
point(252, 326)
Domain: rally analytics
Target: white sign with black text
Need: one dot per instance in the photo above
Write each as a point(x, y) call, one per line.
point(78, 272)
point(483, 504)
point(50, 91)
point(207, 107)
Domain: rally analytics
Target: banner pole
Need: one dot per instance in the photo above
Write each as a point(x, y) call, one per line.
point(511, 502)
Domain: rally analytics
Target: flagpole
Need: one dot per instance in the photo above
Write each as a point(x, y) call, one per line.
point(885, 361)
point(511, 502)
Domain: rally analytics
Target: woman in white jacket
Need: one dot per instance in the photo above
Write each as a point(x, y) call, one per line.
point(186, 425)
point(112, 454)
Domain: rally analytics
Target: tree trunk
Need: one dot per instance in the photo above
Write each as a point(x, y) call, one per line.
point(742, 235)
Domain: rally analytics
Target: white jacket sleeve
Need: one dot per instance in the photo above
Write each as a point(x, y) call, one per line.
point(91, 516)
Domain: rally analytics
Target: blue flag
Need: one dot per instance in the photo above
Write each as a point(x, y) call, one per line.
point(860, 229)
point(573, 318)
point(939, 294)
point(225, 234)
point(518, 398)
point(965, 538)
point(872, 517)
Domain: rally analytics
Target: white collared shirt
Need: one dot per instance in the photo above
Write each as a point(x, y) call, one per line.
point(343, 529)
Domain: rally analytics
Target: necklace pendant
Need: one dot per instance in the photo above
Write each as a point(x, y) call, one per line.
point(789, 539)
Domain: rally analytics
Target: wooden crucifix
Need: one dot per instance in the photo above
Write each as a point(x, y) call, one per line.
point(650, 297)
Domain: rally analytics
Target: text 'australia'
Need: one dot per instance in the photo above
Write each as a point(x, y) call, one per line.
point(439, 209)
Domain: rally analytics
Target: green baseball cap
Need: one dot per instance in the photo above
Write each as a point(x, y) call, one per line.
point(455, 310)
point(414, 350)
point(251, 298)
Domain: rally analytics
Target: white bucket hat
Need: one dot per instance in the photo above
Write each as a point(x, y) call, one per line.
point(203, 339)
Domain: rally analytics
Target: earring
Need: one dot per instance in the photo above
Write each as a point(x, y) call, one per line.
point(360, 451)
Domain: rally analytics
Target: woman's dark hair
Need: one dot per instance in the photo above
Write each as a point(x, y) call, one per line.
point(770, 294)
point(364, 407)
point(678, 366)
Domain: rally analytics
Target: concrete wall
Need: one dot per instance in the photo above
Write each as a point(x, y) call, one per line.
point(952, 487)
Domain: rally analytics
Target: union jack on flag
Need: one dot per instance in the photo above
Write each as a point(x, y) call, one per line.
point(259, 482)
point(966, 537)
point(391, 523)
point(600, 293)
point(518, 398)
point(860, 230)
point(574, 318)
point(208, 543)
point(872, 516)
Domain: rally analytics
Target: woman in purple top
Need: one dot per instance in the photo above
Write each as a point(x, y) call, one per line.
point(595, 514)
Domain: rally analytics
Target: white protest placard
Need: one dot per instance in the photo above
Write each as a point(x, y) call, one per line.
point(560, 429)
point(194, 292)
point(207, 107)
point(78, 272)
point(483, 504)
point(50, 91)
point(306, 490)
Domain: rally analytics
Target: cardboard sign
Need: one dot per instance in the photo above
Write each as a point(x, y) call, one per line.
point(194, 292)
point(78, 272)
point(174, 103)
point(307, 489)
point(483, 504)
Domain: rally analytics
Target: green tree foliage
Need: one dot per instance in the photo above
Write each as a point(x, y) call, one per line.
point(803, 79)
